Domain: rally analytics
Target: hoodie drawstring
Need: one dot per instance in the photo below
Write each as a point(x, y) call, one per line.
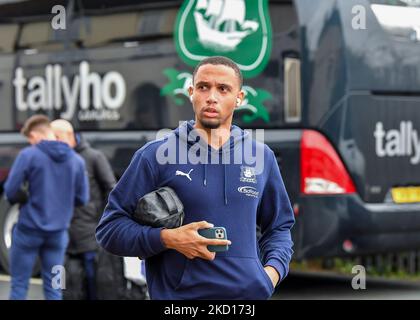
point(224, 177)
point(205, 175)
point(224, 174)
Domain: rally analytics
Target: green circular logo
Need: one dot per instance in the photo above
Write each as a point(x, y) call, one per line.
point(237, 29)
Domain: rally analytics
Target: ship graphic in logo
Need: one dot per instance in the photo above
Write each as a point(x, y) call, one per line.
point(221, 24)
point(248, 175)
point(237, 29)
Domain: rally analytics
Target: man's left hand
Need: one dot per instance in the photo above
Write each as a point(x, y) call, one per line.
point(273, 274)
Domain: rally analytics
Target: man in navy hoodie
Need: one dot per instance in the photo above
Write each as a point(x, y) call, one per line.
point(216, 189)
point(57, 181)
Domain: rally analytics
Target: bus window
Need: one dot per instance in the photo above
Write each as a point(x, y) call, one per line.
point(8, 34)
point(97, 30)
point(38, 37)
point(401, 21)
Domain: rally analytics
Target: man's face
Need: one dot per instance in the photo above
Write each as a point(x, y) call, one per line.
point(215, 91)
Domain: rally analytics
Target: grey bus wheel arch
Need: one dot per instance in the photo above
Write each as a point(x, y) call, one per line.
point(8, 217)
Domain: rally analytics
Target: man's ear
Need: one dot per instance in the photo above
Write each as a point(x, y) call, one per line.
point(239, 98)
point(31, 137)
point(190, 92)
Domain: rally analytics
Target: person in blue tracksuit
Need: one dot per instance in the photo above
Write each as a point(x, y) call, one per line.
point(207, 161)
point(57, 181)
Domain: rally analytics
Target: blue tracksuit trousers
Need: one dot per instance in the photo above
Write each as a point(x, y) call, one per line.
point(27, 245)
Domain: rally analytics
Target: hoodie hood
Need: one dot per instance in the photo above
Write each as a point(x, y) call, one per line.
point(56, 150)
point(190, 136)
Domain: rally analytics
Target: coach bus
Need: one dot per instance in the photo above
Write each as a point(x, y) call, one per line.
point(335, 84)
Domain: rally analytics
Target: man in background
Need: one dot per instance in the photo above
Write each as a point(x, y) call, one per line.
point(82, 242)
point(57, 182)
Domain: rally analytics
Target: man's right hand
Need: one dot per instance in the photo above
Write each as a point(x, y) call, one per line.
point(189, 242)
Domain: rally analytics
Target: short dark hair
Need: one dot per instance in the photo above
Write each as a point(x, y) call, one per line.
point(220, 60)
point(33, 123)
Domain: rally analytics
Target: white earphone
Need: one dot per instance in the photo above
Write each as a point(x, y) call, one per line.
point(191, 98)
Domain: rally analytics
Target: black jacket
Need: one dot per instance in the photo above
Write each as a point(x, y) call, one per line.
point(86, 218)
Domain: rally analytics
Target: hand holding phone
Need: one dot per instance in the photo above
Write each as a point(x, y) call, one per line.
point(215, 233)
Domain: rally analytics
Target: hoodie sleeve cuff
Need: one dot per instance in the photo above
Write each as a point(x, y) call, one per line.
point(276, 264)
point(155, 243)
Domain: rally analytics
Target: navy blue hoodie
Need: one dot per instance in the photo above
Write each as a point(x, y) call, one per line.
point(226, 195)
point(57, 182)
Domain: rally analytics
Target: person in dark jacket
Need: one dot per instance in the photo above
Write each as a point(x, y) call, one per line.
point(57, 182)
point(85, 219)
